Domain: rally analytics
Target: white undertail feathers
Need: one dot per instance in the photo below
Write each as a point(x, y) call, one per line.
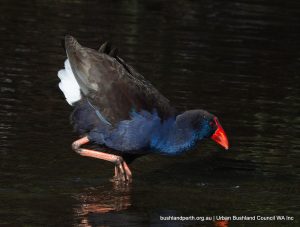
point(68, 84)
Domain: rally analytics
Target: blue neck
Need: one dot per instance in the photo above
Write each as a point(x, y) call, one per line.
point(173, 137)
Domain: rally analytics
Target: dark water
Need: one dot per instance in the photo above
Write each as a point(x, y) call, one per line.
point(238, 59)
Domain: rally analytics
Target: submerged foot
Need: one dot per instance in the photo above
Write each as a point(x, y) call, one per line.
point(122, 172)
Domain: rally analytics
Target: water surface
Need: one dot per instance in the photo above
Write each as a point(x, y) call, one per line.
point(239, 60)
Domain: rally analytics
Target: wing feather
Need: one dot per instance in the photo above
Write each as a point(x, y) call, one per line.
point(111, 85)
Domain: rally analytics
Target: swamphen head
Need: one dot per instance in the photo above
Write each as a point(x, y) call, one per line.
point(204, 124)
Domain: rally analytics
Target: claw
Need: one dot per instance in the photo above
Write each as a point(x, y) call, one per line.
point(122, 172)
point(128, 172)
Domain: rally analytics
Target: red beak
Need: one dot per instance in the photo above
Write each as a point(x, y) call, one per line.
point(220, 136)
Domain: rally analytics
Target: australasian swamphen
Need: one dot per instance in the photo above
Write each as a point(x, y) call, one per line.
point(117, 109)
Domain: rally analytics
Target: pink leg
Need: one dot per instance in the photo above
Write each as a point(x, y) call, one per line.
point(122, 170)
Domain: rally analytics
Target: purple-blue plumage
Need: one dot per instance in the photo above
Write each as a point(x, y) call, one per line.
point(144, 131)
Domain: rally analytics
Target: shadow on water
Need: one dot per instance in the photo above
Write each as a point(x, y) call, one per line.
point(237, 59)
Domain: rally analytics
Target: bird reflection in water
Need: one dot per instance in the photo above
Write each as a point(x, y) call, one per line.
point(221, 223)
point(96, 203)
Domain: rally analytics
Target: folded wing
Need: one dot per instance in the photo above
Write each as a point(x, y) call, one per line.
point(111, 85)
